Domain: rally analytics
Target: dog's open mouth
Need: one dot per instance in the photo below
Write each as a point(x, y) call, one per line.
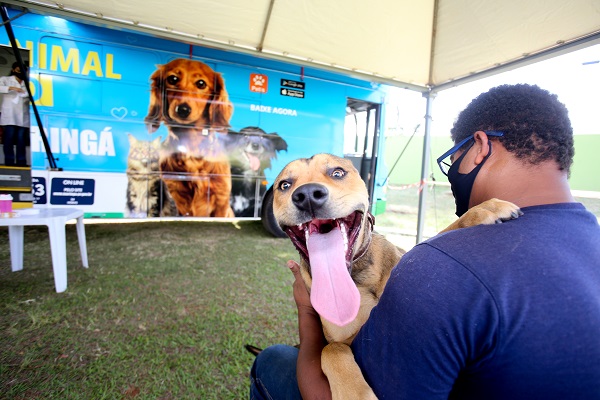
point(328, 247)
point(348, 226)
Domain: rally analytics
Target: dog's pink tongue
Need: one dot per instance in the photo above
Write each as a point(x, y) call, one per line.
point(333, 293)
point(254, 162)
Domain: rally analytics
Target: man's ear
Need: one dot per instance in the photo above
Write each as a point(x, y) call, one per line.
point(482, 145)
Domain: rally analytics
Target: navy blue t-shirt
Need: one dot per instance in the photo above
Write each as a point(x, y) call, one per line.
point(507, 311)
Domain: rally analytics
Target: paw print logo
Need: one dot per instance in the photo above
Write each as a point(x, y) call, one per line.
point(259, 80)
point(259, 83)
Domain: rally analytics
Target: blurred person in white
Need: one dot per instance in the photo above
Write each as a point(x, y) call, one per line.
point(14, 117)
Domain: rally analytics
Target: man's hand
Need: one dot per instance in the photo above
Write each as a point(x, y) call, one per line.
point(301, 295)
point(312, 382)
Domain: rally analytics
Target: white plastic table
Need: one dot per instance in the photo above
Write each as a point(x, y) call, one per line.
point(55, 219)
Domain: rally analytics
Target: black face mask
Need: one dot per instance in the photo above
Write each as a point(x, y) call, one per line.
point(462, 184)
point(19, 75)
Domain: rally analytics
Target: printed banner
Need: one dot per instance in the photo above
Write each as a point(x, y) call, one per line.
point(192, 136)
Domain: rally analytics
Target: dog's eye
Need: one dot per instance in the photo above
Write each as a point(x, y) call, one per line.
point(201, 84)
point(172, 79)
point(338, 173)
point(284, 185)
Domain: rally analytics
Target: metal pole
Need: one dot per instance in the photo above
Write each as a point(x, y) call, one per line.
point(424, 167)
point(374, 153)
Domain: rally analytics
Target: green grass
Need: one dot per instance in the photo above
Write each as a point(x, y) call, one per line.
point(165, 308)
point(163, 312)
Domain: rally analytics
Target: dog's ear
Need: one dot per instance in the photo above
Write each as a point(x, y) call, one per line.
point(221, 109)
point(155, 116)
point(278, 141)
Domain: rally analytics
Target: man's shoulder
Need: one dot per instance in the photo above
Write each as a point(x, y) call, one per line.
point(539, 218)
point(549, 234)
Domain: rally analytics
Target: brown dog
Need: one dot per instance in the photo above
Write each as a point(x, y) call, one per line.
point(191, 100)
point(323, 205)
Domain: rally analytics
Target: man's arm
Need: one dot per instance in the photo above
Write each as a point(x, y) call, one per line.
point(312, 382)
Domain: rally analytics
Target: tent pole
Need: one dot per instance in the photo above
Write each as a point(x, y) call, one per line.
point(424, 166)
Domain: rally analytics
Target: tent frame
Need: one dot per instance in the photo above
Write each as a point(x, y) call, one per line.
point(428, 91)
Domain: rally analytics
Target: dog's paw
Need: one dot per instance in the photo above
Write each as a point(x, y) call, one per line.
point(489, 212)
point(501, 210)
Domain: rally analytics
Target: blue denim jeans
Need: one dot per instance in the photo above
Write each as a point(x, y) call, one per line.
point(14, 135)
point(273, 375)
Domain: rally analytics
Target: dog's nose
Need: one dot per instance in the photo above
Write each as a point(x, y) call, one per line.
point(183, 110)
point(310, 197)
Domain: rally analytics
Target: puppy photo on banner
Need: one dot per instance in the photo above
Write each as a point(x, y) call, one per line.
point(207, 168)
point(191, 100)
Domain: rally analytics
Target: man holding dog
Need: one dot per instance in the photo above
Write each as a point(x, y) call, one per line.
point(508, 311)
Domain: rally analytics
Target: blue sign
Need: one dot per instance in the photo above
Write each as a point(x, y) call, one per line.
point(38, 189)
point(72, 191)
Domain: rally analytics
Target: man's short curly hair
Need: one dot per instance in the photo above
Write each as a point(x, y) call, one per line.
point(536, 125)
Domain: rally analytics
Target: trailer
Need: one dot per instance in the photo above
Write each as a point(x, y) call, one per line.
point(136, 126)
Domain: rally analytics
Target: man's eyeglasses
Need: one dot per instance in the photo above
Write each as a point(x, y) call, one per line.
point(445, 162)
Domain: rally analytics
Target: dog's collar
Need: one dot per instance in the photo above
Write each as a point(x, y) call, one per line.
point(369, 235)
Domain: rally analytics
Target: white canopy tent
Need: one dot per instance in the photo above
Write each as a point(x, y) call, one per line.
point(420, 44)
point(423, 45)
